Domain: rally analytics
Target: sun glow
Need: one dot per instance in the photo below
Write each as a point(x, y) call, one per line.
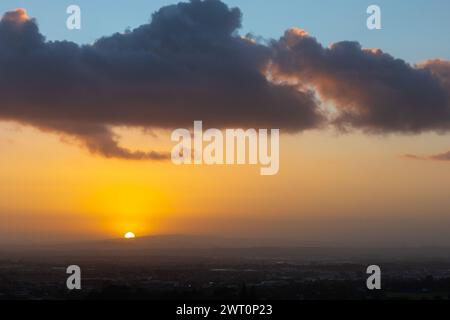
point(129, 235)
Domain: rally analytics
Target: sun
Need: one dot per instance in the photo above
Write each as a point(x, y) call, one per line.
point(129, 235)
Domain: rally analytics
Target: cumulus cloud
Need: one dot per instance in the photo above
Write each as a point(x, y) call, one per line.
point(189, 63)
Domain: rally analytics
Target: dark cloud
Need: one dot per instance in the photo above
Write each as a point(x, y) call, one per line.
point(187, 64)
point(371, 89)
point(102, 140)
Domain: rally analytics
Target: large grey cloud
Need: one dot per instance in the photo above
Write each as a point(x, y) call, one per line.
point(189, 63)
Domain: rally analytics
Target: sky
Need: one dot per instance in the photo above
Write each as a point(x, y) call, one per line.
point(384, 182)
point(405, 23)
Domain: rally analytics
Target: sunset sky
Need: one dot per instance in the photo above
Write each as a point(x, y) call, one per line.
point(379, 173)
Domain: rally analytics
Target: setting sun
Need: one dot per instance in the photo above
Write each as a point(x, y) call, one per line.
point(129, 235)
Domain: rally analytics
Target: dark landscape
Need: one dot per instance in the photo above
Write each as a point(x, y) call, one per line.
point(200, 268)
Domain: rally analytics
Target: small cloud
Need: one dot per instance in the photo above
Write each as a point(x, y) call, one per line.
point(411, 157)
point(441, 156)
point(436, 157)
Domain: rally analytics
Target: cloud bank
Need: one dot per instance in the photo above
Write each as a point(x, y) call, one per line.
point(189, 63)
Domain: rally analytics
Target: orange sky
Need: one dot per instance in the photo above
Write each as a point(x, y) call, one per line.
point(332, 187)
point(329, 186)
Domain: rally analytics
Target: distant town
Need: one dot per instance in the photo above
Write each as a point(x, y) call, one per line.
point(251, 273)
